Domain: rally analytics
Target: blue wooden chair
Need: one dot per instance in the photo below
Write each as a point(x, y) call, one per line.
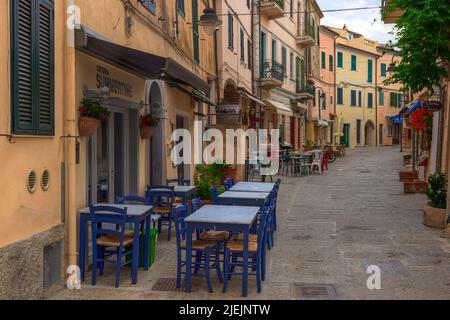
point(215, 195)
point(202, 251)
point(179, 182)
point(233, 256)
point(228, 184)
point(162, 198)
point(108, 242)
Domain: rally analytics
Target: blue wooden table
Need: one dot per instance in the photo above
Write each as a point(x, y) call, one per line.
point(253, 187)
point(136, 215)
point(229, 218)
point(182, 192)
point(244, 198)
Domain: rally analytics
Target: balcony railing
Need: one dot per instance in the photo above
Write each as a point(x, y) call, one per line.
point(305, 91)
point(273, 70)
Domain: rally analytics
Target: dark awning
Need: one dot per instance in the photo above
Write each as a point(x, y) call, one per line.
point(139, 63)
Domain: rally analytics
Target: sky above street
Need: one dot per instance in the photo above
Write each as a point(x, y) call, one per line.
point(366, 22)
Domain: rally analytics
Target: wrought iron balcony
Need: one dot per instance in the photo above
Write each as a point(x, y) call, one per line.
point(305, 91)
point(307, 37)
point(272, 74)
point(272, 8)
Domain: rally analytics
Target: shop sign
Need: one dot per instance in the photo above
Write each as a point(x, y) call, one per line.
point(432, 105)
point(117, 87)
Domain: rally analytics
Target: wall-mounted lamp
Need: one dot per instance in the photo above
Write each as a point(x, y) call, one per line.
point(209, 21)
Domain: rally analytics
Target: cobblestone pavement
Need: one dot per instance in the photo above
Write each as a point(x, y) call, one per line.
point(331, 227)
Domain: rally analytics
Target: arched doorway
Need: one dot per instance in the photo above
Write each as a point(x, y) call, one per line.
point(156, 162)
point(369, 132)
point(229, 110)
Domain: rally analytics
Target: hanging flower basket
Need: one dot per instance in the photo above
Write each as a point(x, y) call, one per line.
point(91, 114)
point(147, 132)
point(87, 126)
point(147, 125)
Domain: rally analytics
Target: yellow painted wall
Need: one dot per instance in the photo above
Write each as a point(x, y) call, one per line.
point(357, 80)
point(23, 214)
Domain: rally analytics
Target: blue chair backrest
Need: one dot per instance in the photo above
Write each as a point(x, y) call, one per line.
point(179, 182)
point(196, 204)
point(161, 195)
point(102, 216)
point(263, 224)
point(180, 213)
point(132, 200)
point(228, 184)
point(215, 195)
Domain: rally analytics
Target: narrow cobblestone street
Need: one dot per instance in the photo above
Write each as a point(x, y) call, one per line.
point(331, 228)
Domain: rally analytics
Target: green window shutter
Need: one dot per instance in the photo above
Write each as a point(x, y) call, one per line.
point(359, 99)
point(340, 62)
point(181, 9)
point(324, 103)
point(196, 31)
point(393, 100)
point(46, 70)
point(32, 71)
point(381, 98)
point(370, 100)
point(331, 61)
point(353, 98)
point(369, 71)
point(383, 70)
point(22, 31)
point(353, 66)
point(324, 63)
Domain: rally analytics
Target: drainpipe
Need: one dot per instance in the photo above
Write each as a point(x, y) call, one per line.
point(377, 141)
point(216, 58)
point(70, 144)
point(335, 89)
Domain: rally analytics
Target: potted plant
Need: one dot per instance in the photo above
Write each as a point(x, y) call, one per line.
point(206, 177)
point(435, 212)
point(229, 171)
point(91, 114)
point(422, 121)
point(147, 125)
point(408, 176)
point(407, 159)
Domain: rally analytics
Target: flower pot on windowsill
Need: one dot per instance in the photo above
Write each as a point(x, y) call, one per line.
point(147, 132)
point(87, 126)
point(415, 186)
point(435, 217)
point(408, 176)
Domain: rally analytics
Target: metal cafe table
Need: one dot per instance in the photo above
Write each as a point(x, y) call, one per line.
point(136, 214)
point(230, 218)
point(253, 187)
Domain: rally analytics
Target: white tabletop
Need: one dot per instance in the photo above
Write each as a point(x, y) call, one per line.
point(245, 195)
point(132, 210)
point(253, 187)
point(224, 215)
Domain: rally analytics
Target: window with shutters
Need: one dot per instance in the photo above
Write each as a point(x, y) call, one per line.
point(242, 45)
point(369, 71)
point(195, 31)
point(353, 63)
point(383, 70)
point(249, 54)
point(150, 5)
point(370, 100)
point(381, 98)
point(331, 61)
point(284, 59)
point(340, 60)
point(32, 67)
point(340, 96)
point(353, 98)
point(359, 99)
point(181, 8)
point(230, 31)
point(324, 63)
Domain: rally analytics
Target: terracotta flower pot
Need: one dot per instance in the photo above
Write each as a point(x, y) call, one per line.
point(434, 217)
point(230, 173)
point(87, 126)
point(415, 186)
point(407, 162)
point(207, 202)
point(408, 176)
point(147, 132)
